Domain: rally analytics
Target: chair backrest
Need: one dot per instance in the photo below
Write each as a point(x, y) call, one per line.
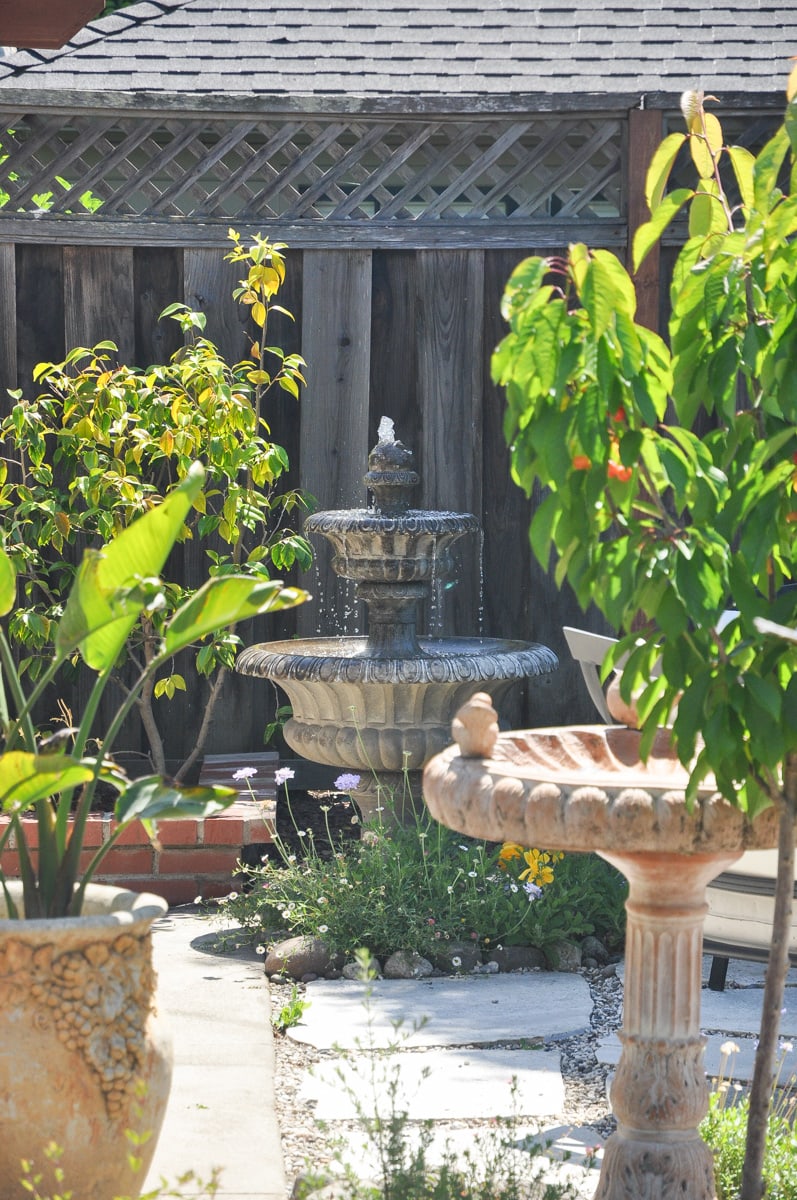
point(589, 651)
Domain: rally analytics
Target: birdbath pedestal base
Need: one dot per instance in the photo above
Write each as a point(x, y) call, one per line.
point(660, 1094)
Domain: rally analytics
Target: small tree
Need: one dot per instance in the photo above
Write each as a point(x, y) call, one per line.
point(662, 526)
point(100, 443)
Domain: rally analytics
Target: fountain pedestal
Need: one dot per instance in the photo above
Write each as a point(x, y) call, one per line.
point(585, 788)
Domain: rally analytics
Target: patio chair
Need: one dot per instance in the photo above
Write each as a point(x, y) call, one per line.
point(740, 899)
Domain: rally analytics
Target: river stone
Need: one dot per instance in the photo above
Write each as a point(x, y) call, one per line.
point(298, 956)
point(592, 947)
point(407, 964)
point(565, 956)
point(468, 954)
point(518, 958)
point(353, 970)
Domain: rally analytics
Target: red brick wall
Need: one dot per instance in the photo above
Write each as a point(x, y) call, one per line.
point(192, 858)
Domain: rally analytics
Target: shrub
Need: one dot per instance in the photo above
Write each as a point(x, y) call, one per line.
point(421, 886)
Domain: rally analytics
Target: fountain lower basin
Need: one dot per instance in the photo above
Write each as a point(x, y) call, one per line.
point(390, 714)
point(585, 788)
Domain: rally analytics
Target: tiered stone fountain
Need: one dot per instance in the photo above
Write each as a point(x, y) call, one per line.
point(586, 788)
point(382, 705)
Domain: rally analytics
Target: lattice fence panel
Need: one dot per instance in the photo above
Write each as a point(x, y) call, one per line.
point(363, 169)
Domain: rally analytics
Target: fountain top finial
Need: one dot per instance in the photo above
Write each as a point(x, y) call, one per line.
point(390, 476)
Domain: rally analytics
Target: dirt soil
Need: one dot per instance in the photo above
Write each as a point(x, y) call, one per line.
point(306, 811)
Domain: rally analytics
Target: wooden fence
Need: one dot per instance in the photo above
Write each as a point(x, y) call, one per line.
point(397, 319)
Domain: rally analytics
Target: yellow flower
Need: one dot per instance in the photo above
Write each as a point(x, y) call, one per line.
point(508, 851)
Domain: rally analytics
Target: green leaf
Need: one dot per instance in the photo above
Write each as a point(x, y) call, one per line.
point(660, 167)
point(26, 778)
point(743, 163)
point(705, 141)
point(222, 601)
point(8, 583)
point(152, 799)
point(99, 613)
point(767, 168)
point(648, 234)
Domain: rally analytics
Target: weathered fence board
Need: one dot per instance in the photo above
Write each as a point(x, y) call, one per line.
point(450, 384)
point(98, 298)
point(336, 324)
point(40, 310)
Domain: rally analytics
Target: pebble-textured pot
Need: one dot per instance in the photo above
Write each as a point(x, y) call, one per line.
point(83, 1056)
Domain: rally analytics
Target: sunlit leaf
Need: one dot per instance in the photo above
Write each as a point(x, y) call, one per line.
point(660, 167)
point(8, 583)
point(705, 143)
point(152, 799)
point(99, 615)
point(26, 778)
point(648, 234)
point(222, 601)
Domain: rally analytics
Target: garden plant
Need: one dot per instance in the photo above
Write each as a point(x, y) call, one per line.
point(57, 776)
point(668, 468)
point(101, 442)
point(424, 888)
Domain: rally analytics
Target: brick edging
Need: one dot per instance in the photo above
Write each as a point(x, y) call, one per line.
point(191, 857)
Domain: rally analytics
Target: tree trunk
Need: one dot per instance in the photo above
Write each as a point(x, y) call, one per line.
point(774, 987)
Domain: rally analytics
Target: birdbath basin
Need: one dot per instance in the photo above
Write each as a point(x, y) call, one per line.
point(585, 788)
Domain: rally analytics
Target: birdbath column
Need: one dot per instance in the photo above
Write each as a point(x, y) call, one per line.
point(660, 1092)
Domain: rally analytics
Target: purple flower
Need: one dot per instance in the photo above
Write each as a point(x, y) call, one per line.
point(347, 782)
point(282, 775)
point(532, 891)
point(244, 773)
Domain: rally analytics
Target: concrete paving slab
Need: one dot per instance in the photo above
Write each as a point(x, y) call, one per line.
point(436, 1084)
point(738, 1010)
point(445, 1011)
point(220, 1112)
point(607, 1051)
point(740, 973)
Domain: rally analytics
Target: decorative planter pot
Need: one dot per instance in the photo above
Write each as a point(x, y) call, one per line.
point(584, 788)
point(83, 1057)
point(42, 24)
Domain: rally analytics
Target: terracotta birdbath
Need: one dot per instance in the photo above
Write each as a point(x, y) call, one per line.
point(584, 788)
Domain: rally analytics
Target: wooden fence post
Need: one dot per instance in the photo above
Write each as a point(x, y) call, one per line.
point(645, 127)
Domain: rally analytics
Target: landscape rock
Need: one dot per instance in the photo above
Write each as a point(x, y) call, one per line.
point(518, 958)
point(592, 947)
point(298, 956)
point(468, 954)
point(353, 970)
point(407, 964)
point(565, 956)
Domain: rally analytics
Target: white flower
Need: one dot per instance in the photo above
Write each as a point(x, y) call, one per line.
point(473, 874)
point(282, 775)
point(197, 899)
point(233, 896)
point(323, 928)
point(323, 900)
point(456, 961)
point(260, 949)
point(244, 773)
point(450, 890)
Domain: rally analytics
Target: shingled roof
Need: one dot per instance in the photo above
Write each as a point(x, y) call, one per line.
point(422, 48)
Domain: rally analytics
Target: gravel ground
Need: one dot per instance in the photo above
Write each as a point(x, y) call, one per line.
point(304, 1142)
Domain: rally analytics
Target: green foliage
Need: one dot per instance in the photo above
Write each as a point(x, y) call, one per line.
point(665, 524)
point(724, 1129)
point(113, 587)
point(35, 1181)
point(101, 442)
point(421, 887)
point(291, 1012)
